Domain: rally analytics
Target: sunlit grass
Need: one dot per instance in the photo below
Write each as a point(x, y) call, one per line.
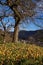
point(20, 51)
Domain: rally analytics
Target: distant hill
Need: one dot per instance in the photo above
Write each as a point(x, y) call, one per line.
point(39, 35)
point(26, 35)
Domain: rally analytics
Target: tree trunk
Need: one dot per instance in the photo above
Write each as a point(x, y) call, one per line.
point(15, 34)
point(4, 41)
point(17, 17)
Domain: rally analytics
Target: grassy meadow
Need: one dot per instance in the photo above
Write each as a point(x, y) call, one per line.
point(20, 54)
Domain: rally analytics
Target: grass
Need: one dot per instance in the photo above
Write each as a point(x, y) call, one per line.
point(20, 54)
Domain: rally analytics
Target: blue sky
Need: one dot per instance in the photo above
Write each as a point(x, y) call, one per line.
point(25, 26)
point(30, 27)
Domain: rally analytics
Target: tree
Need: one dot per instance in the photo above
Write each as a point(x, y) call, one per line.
point(5, 25)
point(21, 9)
